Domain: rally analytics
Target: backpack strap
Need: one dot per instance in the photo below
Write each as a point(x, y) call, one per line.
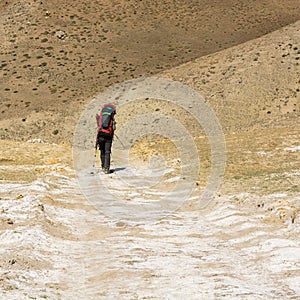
point(109, 130)
point(99, 121)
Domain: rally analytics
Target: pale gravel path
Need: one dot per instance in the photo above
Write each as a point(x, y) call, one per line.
point(65, 249)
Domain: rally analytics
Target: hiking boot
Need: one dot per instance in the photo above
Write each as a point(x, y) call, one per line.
point(106, 170)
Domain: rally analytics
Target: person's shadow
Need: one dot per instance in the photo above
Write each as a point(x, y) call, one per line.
point(117, 169)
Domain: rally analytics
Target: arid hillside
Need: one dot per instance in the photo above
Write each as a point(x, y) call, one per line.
point(55, 56)
point(252, 85)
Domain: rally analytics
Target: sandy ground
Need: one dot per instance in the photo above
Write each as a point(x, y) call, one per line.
point(57, 243)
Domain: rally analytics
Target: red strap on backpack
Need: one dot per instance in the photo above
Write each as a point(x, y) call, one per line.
point(110, 129)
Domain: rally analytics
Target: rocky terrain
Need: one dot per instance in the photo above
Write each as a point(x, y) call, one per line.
point(56, 56)
point(56, 243)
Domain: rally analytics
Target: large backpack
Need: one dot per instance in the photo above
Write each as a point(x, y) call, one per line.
point(106, 118)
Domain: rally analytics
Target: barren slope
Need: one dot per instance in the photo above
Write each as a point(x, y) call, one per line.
point(56, 55)
point(252, 85)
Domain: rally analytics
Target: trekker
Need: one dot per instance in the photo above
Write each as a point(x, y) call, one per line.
point(106, 127)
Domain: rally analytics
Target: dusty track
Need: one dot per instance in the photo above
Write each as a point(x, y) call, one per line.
point(56, 245)
point(55, 57)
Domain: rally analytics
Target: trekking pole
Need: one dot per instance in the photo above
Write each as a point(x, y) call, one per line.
point(120, 142)
point(95, 156)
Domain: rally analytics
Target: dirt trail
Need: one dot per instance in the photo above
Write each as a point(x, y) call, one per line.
point(56, 245)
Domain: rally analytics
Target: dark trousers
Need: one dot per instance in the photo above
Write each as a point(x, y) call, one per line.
point(105, 144)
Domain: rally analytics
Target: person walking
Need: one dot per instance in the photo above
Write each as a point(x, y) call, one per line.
point(106, 127)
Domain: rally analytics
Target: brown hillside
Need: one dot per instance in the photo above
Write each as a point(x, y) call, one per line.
point(56, 55)
point(252, 85)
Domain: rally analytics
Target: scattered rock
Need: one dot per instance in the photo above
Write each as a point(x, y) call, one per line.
point(61, 34)
point(10, 221)
point(12, 261)
point(42, 207)
point(36, 141)
point(120, 224)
